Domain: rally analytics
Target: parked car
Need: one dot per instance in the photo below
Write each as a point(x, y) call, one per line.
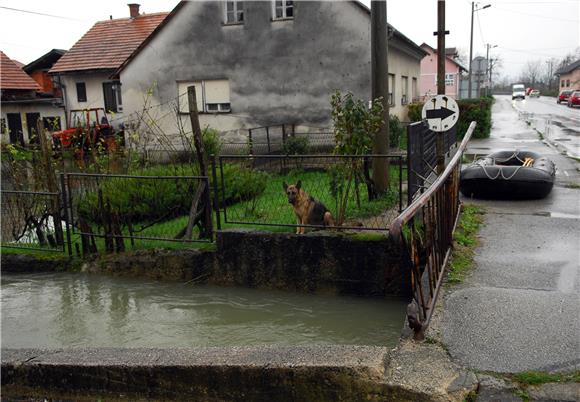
point(564, 95)
point(534, 93)
point(574, 99)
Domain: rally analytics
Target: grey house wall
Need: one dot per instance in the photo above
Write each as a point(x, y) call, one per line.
point(278, 71)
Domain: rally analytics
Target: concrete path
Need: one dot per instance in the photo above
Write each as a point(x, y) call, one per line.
point(520, 307)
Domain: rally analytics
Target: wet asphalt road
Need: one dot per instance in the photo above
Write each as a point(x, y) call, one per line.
point(519, 308)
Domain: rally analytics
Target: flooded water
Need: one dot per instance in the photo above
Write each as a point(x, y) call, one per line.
point(78, 310)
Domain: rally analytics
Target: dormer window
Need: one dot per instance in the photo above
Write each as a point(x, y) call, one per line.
point(234, 12)
point(282, 9)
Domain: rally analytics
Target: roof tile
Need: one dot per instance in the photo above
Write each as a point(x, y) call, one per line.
point(13, 77)
point(108, 43)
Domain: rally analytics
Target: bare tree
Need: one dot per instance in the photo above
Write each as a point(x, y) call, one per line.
point(532, 72)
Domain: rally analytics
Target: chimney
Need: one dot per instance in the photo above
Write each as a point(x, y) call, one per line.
point(133, 10)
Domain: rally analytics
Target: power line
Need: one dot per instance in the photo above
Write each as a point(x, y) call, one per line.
point(39, 13)
point(537, 15)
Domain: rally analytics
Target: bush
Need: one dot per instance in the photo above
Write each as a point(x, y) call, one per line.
point(212, 144)
point(396, 131)
point(296, 146)
point(142, 200)
point(478, 110)
point(414, 111)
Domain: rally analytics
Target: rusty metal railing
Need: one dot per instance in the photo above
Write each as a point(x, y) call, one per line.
point(425, 229)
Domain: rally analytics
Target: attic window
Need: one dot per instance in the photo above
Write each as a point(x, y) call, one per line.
point(282, 9)
point(234, 12)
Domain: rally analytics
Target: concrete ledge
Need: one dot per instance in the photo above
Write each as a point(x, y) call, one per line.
point(24, 263)
point(266, 373)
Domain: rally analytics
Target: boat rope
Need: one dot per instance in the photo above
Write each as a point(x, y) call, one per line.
point(527, 162)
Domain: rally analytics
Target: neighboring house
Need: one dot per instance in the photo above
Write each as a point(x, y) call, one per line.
point(263, 63)
point(429, 72)
point(86, 72)
point(569, 76)
point(28, 98)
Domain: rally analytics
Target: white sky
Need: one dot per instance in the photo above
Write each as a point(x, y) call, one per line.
point(523, 30)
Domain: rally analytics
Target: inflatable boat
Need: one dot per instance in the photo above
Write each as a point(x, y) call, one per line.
point(516, 175)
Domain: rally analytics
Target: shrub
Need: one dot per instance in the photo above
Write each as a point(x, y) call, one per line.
point(212, 144)
point(478, 110)
point(141, 200)
point(414, 111)
point(396, 131)
point(296, 146)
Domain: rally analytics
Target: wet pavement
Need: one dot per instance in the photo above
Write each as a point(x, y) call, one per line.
point(518, 309)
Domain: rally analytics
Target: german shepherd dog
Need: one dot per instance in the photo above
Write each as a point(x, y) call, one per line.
point(308, 210)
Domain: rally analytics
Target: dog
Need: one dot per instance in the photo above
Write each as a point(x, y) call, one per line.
point(308, 210)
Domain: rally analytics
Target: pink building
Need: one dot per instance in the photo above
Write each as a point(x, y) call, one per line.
point(428, 85)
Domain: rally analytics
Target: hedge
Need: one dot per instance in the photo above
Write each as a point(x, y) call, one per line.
point(478, 110)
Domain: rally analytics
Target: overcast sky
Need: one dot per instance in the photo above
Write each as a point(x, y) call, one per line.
point(523, 30)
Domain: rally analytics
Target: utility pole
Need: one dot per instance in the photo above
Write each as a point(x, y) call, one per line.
point(473, 10)
point(380, 89)
point(470, 52)
point(551, 65)
point(441, 32)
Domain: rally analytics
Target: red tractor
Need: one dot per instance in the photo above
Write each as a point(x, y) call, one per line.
point(88, 128)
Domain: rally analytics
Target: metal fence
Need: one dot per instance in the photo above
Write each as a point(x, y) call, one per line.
point(106, 210)
point(422, 156)
point(32, 220)
point(254, 190)
point(425, 230)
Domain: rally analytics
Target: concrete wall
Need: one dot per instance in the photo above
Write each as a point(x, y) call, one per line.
point(94, 88)
point(278, 71)
point(570, 80)
point(45, 110)
point(429, 75)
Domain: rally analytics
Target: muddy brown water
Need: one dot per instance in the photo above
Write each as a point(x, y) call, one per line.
point(78, 310)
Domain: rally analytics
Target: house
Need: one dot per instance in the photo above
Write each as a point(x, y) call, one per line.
point(86, 72)
point(569, 76)
point(429, 72)
point(27, 96)
point(262, 63)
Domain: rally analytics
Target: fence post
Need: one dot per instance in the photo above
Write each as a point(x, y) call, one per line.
point(250, 142)
point(198, 142)
point(216, 199)
point(66, 213)
point(268, 138)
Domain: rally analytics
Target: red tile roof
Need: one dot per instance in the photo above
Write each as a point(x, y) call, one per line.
point(108, 43)
point(12, 76)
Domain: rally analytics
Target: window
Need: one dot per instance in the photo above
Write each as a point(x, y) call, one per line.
point(449, 80)
point(282, 9)
point(562, 84)
point(234, 12)
point(414, 91)
point(567, 83)
point(81, 92)
point(391, 84)
point(212, 96)
point(404, 90)
point(51, 123)
point(2, 125)
point(112, 96)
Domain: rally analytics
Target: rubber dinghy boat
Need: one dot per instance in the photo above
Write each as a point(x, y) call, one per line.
point(512, 175)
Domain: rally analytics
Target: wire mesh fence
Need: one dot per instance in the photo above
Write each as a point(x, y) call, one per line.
point(32, 220)
point(310, 191)
point(115, 212)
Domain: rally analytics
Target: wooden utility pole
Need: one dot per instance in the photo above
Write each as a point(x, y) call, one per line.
point(441, 32)
point(198, 142)
point(380, 89)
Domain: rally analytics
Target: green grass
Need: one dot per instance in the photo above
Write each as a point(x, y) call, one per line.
point(465, 241)
point(272, 207)
point(541, 377)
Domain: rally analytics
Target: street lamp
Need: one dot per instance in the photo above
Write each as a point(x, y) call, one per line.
point(489, 67)
point(473, 10)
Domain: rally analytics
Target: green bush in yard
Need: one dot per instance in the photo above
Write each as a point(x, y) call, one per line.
point(296, 146)
point(141, 200)
point(478, 110)
point(396, 131)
